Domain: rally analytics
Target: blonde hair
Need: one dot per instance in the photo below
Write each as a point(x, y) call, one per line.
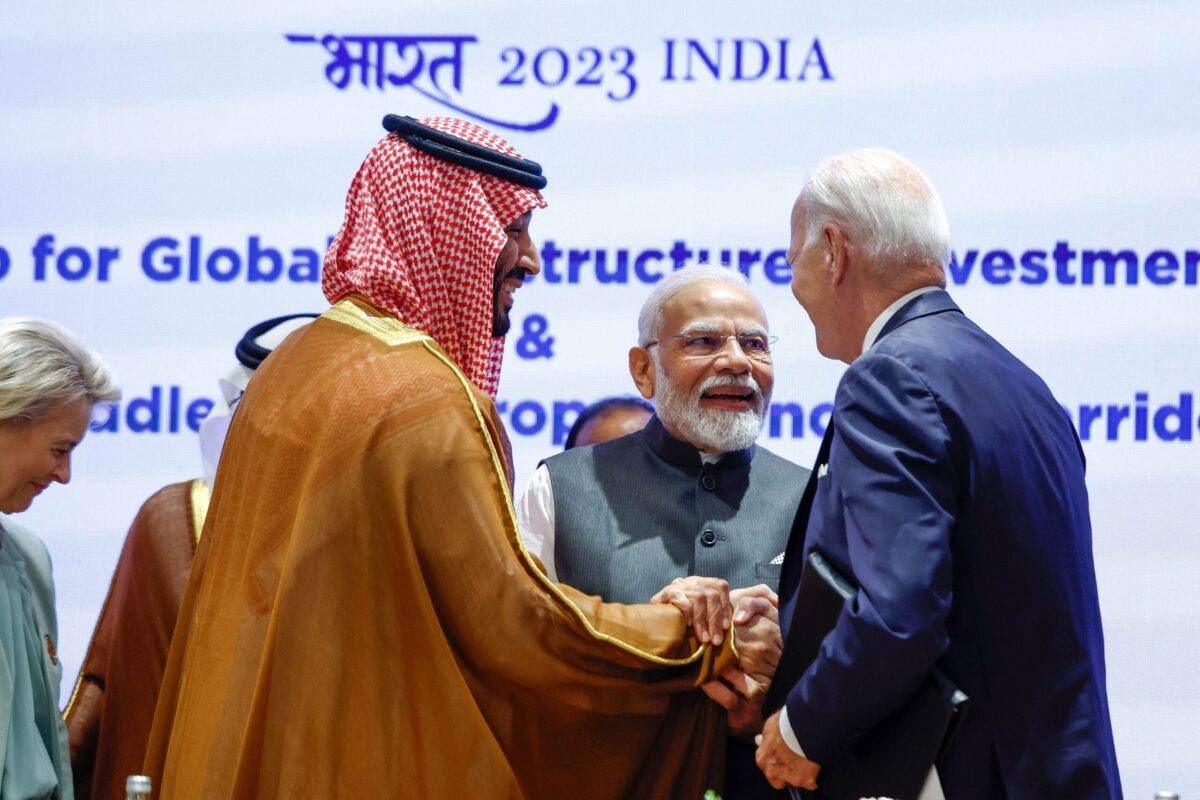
point(43, 366)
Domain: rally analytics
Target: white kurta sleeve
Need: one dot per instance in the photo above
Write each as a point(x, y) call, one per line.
point(535, 518)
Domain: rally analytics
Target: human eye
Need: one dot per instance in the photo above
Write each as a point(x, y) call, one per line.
point(702, 341)
point(754, 343)
point(518, 226)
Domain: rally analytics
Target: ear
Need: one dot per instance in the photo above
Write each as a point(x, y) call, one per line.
point(836, 252)
point(641, 368)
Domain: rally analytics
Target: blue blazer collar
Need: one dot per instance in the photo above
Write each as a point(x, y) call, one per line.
point(923, 306)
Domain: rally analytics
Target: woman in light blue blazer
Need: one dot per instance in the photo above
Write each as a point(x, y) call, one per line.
point(49, 384)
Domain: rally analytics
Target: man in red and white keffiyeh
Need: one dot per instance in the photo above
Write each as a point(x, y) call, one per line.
point(362, 618)
point(440, 246)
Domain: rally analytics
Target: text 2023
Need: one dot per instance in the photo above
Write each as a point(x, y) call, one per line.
point(588, 66)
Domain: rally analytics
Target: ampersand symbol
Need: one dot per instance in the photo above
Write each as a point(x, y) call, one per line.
point(533, 343)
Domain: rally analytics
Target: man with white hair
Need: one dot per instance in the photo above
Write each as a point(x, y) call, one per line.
point(690, 494)
point(950, 490)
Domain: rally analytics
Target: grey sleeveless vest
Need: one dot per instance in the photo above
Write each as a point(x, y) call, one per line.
point(632, 514)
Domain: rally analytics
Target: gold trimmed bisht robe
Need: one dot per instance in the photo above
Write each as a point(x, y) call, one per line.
point(112, 706)
point(363, 621)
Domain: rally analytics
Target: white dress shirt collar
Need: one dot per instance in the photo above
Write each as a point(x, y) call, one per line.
point(882, 320)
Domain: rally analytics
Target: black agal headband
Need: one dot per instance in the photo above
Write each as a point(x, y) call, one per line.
point(249, 352)
point(448, 147)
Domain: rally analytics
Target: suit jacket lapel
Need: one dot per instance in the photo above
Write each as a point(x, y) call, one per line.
point(789, 577)
point(793, 561)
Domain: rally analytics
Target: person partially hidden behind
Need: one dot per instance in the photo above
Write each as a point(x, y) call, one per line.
point(950, 490)
point(49, 386)
point(610, 418)
point(112, 706)
point(689, 502)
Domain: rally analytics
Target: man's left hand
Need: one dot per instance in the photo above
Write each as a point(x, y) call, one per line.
point(705, 605)
point(779, 763)
point(742, 698)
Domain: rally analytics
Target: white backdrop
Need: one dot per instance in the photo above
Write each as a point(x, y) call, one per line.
point(1061, 139)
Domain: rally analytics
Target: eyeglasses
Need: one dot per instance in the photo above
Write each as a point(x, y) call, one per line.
point(755, 346)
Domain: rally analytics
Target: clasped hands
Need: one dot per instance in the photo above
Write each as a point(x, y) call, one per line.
point(711, 609)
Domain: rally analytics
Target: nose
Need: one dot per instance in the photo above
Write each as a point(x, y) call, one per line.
point(528, 257)
point(732, 358)
point(62, 470)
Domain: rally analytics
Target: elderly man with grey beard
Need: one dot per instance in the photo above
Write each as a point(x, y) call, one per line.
point(689, 506)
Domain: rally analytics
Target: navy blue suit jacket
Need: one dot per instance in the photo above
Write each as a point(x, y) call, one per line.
point(954, 498)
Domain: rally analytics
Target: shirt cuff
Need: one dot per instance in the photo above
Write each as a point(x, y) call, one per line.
point(789, 738)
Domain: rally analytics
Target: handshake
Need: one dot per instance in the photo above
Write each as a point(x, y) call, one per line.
point(751, 616)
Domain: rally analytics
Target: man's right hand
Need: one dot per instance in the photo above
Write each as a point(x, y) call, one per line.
point(754, 601)
point(740, 691)
point(756, 633)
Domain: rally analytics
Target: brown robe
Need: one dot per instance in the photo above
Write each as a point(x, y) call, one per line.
point(112, 706)
point(363, 621)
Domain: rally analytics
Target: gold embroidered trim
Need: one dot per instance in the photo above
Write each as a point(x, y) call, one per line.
point(387, 329)
point(66, 714)
point(498, 466)
point(200, 495)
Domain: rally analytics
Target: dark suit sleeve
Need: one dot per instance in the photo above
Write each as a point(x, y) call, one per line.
point(892, 477)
